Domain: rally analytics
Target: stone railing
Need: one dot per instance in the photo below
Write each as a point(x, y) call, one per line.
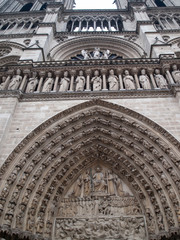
point(44, 78)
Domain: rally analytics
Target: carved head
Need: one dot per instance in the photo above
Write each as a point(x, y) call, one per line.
point(126, 72)
point(96, 73)
point(34, 74)
point(18, 72)
point(111, 72)
point(65, 73)
point(80, 73)
point(174, 67)
point(143, 71)
point(3, 79)
point(157, 71)
point(49, 74)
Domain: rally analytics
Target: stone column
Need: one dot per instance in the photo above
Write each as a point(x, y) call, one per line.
point(24, 81)
point(41, 74)
point(150, 71)
point(73, 72)
point(120, 71)
point(104, 71)
point(57, 73)
point(135, 72)
point(88, 73)
point(166, 68)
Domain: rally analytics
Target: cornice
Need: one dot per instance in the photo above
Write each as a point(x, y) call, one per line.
point(15, 15)
point(121, 94)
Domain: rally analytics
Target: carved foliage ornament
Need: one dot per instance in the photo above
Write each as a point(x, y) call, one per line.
point(4, 51)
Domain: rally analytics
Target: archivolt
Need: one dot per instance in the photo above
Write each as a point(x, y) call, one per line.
point(116, 45)
point(46, 163)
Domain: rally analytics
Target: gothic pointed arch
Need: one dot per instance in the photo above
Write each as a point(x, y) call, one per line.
point(43, 180)
point(72, 47)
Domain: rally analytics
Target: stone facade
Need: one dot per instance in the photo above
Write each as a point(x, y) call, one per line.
point(90, 120)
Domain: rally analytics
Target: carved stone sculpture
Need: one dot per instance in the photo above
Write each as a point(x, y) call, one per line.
point(2, 85)
point(128, 81)
point(32, 83)
point(106, 54)
point(64, 84)
point(97, 81)
point(113, 81)
point(80, 82)
point(15, 81)
point(160, 80)
point(96, 53)
point(48, 83)
point(98, 181)
point(85, 54)
point(144, 80)
point(176, 74)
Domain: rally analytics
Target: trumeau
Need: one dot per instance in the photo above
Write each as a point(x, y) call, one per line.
point(89, 113)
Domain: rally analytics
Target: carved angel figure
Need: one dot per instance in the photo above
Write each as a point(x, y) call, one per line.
point(15, 81)
point(2, 85)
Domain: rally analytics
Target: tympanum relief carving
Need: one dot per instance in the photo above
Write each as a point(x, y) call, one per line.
point(99, 205)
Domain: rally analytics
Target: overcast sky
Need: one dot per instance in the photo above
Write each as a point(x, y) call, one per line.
point(95, 4)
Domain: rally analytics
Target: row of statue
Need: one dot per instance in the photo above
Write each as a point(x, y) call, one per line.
point(97, 54)
point(113, 82)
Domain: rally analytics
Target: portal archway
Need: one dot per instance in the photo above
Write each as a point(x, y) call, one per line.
point(42, 174)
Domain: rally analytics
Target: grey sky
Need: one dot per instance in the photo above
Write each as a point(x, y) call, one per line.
point(94, 4)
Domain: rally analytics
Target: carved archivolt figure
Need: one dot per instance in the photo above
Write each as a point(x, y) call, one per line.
point(15, 81)
point(176, 74)
point(128, 81)
point(32, 83)
point(110, 183)
point(113, 81)
point(144, 80)
point(49, 81)
point(160, 80)
point(80, 82)
point(64, 84)
point(97, 81)
point(2, 85)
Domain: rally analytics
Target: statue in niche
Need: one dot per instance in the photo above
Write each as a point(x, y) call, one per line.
point(2, 85)
point(99, 183)
point(85, 54)
point(113, 81)
point(87, 184)
point(32, 83)
point(128, 81)
point(176, 74)
point(97, 81)
point(80, 82)
point(119, 187)
point(160, 80)
point(106, 54)
point(15, 81)
point(111, 183)
point(64, 84)
point(96, 53)
point(48, 83)
point(144, 80)
point(77, 188)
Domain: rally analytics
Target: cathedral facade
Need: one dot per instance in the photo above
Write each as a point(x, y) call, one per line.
point(89, 120)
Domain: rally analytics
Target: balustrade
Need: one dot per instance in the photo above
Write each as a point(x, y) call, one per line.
point(89, 80)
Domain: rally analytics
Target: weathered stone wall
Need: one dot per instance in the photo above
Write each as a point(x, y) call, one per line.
point(17, 119)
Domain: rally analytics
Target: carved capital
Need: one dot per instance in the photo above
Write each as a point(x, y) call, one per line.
point(26, 71)
point(103, 71)
point(88, 72)
point(135, 70)
point(72, 72)
point(57, 73)
point(42, 73)
point(119, 71)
